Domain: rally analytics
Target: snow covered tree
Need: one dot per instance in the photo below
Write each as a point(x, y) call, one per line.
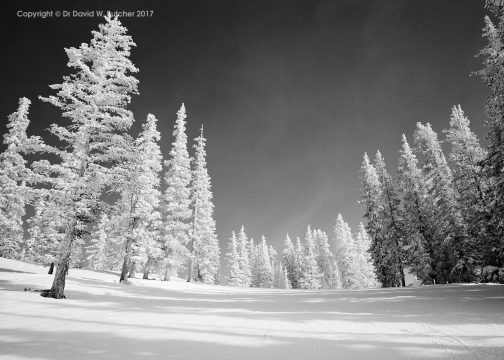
point(152, 245)
point(94, 98)
point(392, 233)
point(289, 261)
point(298, 269)
point(97, 250)
point(366, 271)
point(176, 201)
point(243, 257)
point(46, 230)
point(13, 191)
point(235, 273)
point(471, 187)
point(453, 251)
point(310, 273)
point(418, 212)
point(324, 258)
point(372, 198)
point(280, 277)
point(492, 75)
point(345, 254)
point(139, 190)
point(264, 270)
point(204, 245)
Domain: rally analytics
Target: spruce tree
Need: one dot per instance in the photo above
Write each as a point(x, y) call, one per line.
point(176, 200)
point(94, 98)
point(243, 254)
point(290, 261)
point(492, 75)
point(453, 254)
point(204, 245)
point(366, 271)
point(324, 258)
point(392, 233)
point(310, 273)
point(13, 190)
point(235, 273)
point(140, 193)
point(418, 212)
point(466, 156)
point(264, 270)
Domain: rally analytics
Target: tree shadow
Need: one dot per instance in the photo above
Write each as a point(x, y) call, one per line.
point(177, 343)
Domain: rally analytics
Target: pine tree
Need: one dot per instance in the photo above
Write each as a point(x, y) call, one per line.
point(492, 75)
point(418, 212)
point(140, 193)
point(204, 245)
point(452, 256)
point(290, 261)
point(324, 258)
point(392, 233)
point(97, 251)
point(298, 265)
point(366, 272)
point(243, 254)
point(46, 230)
point(94, 99)
point(310, 273)
point(176, 201)
point(345, 254)
point(264, 270)
point(235, 273)
point(466, 155)
point(13, 191)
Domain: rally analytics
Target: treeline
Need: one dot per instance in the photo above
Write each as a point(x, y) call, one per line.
point(443, 217)
point(95, 183)
point(342, 261)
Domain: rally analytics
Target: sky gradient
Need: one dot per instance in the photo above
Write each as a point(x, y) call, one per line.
point(291, 93)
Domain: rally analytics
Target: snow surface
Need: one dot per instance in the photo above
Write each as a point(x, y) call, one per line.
point(150, 319)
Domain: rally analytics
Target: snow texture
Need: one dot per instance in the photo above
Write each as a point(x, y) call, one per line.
point(102, 319)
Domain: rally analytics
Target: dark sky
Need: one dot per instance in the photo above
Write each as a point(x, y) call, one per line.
point(291, 93)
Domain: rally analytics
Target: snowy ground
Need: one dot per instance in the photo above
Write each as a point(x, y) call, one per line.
point(102, 319)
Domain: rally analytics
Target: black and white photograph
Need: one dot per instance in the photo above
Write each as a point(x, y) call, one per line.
point(252, 180)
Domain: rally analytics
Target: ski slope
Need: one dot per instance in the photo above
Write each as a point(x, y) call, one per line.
point(149, 319)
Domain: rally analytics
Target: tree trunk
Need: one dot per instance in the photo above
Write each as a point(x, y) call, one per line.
point(51, 268)
point(124, 271)
point(131, 273)
point(403, 278)
point(191, 268)
point(146, 269)
point(57, 290)
point(167, 273)
point(192, 257)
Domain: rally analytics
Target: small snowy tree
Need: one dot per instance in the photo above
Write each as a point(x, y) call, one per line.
point(345, 254)
point(324, 258)
point(366, 271)
point(235, 273)
point(243, 254)
point(264, 270)
point(310, 273)
point(289, 260)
